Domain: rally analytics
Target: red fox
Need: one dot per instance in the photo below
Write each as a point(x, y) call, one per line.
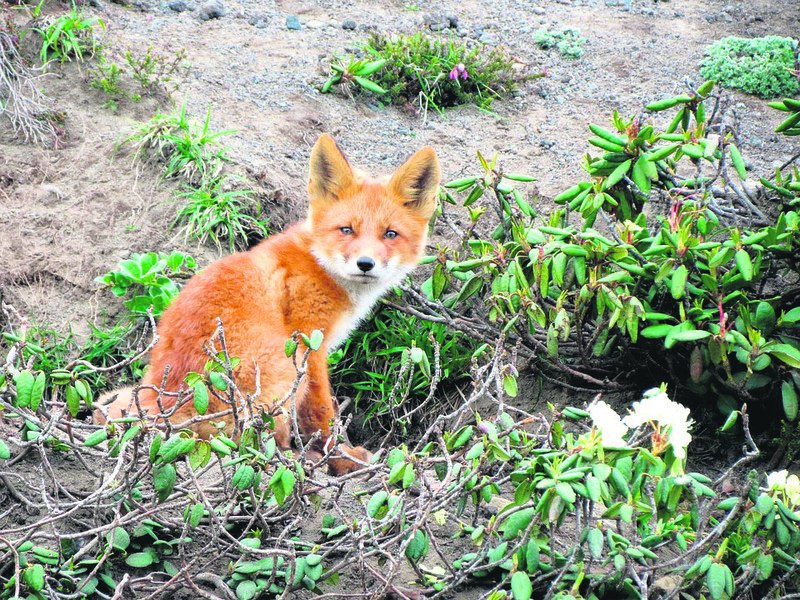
point(360, 238)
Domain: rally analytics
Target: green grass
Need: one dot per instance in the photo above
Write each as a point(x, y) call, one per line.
point(212, 212)
point(431, 72)
point(71, 35)
point(763, 66)
point(371, 360)
point(187, 150)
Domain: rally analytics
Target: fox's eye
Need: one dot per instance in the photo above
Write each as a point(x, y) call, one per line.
point(390, 234)
point(346, 230)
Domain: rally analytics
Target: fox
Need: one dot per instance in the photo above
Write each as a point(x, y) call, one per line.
point(360, 238)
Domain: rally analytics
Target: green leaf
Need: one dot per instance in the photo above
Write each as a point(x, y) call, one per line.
point(121, 539)
point(788, 354)
point(290, 347)
point(73, 400)
point(315, 340)
point(140, 560)
point(5, 453)
point(369, 85)
point(200, 397)
point(96, 438)
point(24, 382)
point(738, 162)
point(691, 336)
point(678, 284)
point(789, 396)
point(418, 547)
point(715, 580)
point(33, 576)
point(521, 586)
point(510, 385)
point(745, 264)
point(164, 477)
point(246, 590)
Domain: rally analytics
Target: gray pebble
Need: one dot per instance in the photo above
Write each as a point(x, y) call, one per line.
point(214, 9)
point(292, 22)
point(349, 25)
point(538, 10)
point(178, 6)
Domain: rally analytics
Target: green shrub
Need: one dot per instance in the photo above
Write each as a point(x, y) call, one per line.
point(763, 66)
point(213, 212)
point(430, 72)
point(567, 41)
point(682, 292)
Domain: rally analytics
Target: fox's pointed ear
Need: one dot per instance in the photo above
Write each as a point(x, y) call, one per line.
point(329, 172)
point(417, 180)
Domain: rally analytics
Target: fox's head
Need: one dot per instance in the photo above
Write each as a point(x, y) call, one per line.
point(369, 231)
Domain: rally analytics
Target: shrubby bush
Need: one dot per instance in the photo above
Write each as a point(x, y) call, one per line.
point(766, 66)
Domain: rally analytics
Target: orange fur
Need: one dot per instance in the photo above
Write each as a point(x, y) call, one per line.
point(306, 278)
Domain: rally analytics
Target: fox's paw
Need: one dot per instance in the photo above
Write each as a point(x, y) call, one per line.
point(341, 466)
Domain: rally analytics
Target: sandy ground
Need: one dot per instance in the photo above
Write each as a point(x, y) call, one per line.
point(70, 214)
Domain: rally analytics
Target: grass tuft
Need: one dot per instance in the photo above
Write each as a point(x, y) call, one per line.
point(215, 213)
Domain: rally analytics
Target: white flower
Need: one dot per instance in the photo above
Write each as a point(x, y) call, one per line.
point(793, 490)
point(656, 407)
point(776, 481)
point(609, 424)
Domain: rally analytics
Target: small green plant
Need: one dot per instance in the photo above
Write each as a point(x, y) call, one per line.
point(213, 212)
point(429, 72)
point(106, 77)
point(763, 66)
point(70, 35)
point(187, 150)
point(149, 278)
point(154, 72)
point(568, 41)
point(356, 71)
point(393, 348)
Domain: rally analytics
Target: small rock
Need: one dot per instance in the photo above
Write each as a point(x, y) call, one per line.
point(438, 26)
point(546, 144)
point(178, 6)
point(314, 24)
point(486, 38)
point(211, 10)
point(538, 10)
point(349, 25)
point(452, 21)
point(292, 22)
point(258, 20)
point(94, 3)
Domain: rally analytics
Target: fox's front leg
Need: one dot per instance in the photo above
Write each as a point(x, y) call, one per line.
point(316, 413)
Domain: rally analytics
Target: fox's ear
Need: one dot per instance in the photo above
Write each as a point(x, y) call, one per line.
point(329, 172)
point(417, 180)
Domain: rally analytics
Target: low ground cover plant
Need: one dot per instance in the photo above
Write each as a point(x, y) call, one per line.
point(568, 42)
point(766, 66)
point(149, 280)
point(428, 72)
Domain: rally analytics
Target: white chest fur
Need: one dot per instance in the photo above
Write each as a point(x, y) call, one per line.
point(364, 298)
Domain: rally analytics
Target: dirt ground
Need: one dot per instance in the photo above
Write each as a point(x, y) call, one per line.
point(69, 215)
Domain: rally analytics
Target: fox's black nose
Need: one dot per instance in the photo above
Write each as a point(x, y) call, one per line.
point(365, 263)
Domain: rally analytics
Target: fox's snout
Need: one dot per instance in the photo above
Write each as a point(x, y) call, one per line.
point(365, 263)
